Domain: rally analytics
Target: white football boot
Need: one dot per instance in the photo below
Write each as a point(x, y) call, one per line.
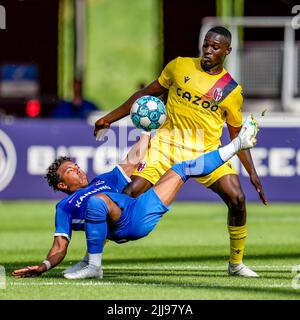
point(241, 270)
point(78, 266)
point(247, 135)
point(87, 272)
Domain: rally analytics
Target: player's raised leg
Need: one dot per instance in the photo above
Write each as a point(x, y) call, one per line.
point(170, 183)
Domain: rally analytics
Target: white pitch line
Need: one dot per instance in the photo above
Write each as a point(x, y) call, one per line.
point(102, 284)
point(181, 267)
point(184, 267)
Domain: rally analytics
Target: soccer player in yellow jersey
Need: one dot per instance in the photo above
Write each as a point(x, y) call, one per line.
point(202, 97)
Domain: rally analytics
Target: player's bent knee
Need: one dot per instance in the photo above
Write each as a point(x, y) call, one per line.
point(96, 209)
point(237, 200)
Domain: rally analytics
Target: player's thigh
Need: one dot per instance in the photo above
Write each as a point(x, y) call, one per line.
point(137, 186)
point(168, 186)
point(152, 170)
point(229, 188)
point(224, 170)
point(146, 213)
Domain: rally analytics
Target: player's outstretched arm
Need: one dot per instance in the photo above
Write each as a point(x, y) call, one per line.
point(246, 159)
point(55, 256)
point(136, 154)
point(154, 89)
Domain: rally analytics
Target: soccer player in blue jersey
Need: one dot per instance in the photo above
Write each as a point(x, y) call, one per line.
point(104, 212)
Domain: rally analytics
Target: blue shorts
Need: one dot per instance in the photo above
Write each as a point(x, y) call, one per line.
point(139, 215)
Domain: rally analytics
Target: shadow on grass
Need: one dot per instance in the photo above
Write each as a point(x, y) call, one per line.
point(140, 261)
point(211, 273)
point(158, 270)
point(202, 258)
point(183, 279)
point(284, 293)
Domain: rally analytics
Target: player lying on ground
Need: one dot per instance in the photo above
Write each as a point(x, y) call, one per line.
point(103, 212)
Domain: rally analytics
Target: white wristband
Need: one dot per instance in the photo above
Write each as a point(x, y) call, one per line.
point(47, 263)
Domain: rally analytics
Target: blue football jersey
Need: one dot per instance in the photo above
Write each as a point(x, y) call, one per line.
point(70, 212)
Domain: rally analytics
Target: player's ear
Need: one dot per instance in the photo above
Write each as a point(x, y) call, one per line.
point(62, 186)
point(228, 50)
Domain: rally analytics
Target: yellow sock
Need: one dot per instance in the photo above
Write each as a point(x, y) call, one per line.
point(237, 243)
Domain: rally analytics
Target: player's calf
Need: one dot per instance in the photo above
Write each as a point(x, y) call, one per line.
point(208, 162)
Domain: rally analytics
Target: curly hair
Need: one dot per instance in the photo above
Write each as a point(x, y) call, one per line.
point(51, 176)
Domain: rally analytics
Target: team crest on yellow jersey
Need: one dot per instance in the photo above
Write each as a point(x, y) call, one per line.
point(142, 166)
point(217, 95)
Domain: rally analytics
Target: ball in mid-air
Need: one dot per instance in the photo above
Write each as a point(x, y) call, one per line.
point(148, 113)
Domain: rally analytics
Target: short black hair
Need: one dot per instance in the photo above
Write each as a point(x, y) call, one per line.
point(221, 31)
point(51, 175)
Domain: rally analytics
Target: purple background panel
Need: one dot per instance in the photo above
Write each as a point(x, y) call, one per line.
point(38, 142)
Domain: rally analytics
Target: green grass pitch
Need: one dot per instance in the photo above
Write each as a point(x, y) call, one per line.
point(185, 257)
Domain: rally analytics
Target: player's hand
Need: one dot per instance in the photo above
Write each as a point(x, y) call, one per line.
point(31, 271)
point(257, 185)
point(100, 124)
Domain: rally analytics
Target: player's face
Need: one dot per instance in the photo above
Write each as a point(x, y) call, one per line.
point(71, 177)
point(214, 50)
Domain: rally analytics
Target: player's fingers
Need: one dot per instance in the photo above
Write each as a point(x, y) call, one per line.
point(263, 198)
point(15, 272)
point(25, 275)
point(19, 271)
point(18, 275)
point(259, 190)
point(100, 126)
point(262, 195)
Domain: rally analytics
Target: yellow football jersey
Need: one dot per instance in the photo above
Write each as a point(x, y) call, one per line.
point(198, 105)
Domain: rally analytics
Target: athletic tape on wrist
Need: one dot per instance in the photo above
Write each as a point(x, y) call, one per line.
point(47, 263)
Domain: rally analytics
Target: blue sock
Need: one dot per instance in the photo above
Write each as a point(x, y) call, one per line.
point(199, 167)
point(95, 224)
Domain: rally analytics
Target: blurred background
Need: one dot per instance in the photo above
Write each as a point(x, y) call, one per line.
point(64, 63)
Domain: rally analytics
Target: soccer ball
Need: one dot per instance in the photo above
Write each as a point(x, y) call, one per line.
point(148, 113)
